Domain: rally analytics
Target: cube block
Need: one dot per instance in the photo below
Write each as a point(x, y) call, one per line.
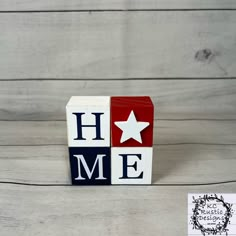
point(88, 121)
point(131, 165)
point(124, 109)
point(90, 165)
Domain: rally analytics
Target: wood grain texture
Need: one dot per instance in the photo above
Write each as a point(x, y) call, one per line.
point(99, 48)
point(44, 5)
point(107, 45)
point(173, 99)
point(165, 132)
point(96, 211)
point(180, 164)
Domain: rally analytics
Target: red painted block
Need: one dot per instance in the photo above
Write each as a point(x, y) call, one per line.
point(132, 121)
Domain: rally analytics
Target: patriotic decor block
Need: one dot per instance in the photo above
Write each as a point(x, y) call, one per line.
point(110, 139)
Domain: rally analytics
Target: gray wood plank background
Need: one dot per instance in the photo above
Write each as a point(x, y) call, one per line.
point(165, 132)
point(80, 5)
point(172, 164)
point(109, 211)
point(174, 99)
point(105, 45)
point(181, 53)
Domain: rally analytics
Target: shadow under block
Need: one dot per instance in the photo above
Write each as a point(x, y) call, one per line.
point(131, 165)
point(88, 121)
point(90, 165)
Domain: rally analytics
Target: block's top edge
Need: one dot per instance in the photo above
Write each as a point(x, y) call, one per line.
point(144, 101)
point(89, 101)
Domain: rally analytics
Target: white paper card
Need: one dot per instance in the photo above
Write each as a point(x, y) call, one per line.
point(211, 214)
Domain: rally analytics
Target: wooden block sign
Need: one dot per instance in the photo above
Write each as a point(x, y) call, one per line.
point(110, 139)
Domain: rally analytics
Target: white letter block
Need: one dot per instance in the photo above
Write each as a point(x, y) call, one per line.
point(88, 121)
point(131, 165)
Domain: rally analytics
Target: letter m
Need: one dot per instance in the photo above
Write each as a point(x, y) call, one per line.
point(98, 161)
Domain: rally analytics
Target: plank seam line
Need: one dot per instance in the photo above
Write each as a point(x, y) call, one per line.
point(184, 119)
point(160, 185)
point(160, 144)
point(117, 10)
point(119, 79)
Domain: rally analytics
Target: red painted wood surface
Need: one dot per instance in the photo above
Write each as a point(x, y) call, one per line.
point(143, 108)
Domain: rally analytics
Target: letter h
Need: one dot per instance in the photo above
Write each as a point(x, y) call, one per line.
point(97, 125)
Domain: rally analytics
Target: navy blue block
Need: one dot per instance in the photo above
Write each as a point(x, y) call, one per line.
point(90, 165)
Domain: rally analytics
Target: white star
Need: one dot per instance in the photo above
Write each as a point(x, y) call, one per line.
point(131, 128)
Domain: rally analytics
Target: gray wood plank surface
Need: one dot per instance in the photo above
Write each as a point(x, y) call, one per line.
point(165, 132)
point(94, 211)
point(106, 45)
point(29, 5)
point(173, 99)
point(86, 47)
point(172, 164)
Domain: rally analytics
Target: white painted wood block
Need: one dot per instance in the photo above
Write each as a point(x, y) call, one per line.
point(88, 121)
point(131, 165)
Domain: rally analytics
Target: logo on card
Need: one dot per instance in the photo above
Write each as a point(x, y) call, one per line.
point(211, 214)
